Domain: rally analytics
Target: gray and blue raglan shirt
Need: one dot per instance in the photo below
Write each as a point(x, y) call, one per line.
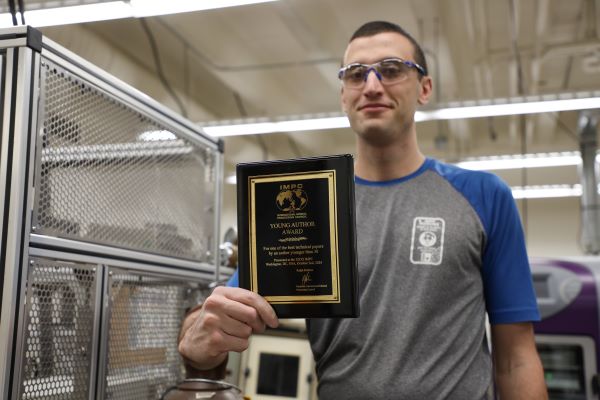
point(436, 250)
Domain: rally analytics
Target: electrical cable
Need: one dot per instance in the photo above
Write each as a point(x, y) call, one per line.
point(240, 104)
point(13, 11)
point(22, 11)
point(491, 130)
point(159, 70)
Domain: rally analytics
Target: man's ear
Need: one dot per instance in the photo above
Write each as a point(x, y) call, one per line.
point(425, 90)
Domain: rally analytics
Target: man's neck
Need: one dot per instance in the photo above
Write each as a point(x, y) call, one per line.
point(384, 163)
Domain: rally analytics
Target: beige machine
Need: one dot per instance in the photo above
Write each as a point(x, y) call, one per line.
point(279, 365)
point(109, 213)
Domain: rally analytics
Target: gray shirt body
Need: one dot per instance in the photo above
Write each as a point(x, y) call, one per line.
point(421, 332)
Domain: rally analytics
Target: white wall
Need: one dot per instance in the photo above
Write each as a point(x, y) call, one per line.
point(553, 227)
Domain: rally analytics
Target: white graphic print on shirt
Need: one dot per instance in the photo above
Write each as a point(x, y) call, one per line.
point(427, 244)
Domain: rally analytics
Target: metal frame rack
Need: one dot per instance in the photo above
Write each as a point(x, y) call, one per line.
point(109, 221)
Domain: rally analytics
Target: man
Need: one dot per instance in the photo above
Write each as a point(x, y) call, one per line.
point(437, 247)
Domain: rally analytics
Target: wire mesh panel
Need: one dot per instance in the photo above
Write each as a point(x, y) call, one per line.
point(111, 175)
point(145, 318)
point(58, 330)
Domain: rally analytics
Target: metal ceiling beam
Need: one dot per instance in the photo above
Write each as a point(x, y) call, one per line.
point(541, 25)
point(590, 202)
point(597, 19)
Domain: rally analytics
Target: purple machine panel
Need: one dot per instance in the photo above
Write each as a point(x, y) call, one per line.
point(568, 336)
point(571, 309)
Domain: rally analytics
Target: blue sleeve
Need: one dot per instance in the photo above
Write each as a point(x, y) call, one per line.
point(506, 273)
point(234, 280)
point(508, 287)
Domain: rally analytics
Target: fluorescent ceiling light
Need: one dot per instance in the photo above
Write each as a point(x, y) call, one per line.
point(73, 14)
point(147, 8)
point(512, 106)
point(519, 161)
point(546, 191)
point(278, 126)
point(496, 110)
point(117, 10)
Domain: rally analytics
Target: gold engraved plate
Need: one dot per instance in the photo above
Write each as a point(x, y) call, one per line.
point(294, 237)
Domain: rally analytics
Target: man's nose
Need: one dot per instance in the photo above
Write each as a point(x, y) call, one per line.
point(372, 81)
point(375, 72)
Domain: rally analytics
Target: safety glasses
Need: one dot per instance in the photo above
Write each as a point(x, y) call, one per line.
point(388, 71)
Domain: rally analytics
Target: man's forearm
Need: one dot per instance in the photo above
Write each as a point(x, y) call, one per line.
point(518, 369)
point(522, 381)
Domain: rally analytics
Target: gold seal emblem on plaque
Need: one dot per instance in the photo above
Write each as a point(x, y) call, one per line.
point(291, 198)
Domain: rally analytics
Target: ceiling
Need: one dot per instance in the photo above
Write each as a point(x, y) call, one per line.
point(280, 59)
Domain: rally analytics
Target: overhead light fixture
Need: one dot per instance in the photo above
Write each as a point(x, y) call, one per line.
point(149, 8)
point(546, 191)
point(118, 10)
point(519, 161)
point(257, 128)
point(517, 108)
point(71, 15)
point(465, 110)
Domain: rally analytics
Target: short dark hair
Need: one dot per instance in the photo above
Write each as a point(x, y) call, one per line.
point(375, 27)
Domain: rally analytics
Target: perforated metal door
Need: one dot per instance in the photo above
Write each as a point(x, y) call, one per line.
point(140, 341)
point(58, 330)
point(109, 174)
point(144, 320)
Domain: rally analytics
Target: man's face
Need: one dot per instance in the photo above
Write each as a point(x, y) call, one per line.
point(380, 113)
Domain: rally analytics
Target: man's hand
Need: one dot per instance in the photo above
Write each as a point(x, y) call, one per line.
point(224, 323)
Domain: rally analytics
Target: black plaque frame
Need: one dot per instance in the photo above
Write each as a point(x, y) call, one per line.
point(297, 235)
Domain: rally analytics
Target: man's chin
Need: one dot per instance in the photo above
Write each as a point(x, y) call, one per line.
point(375, 135)
point(370, 127)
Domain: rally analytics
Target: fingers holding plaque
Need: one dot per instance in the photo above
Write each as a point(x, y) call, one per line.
point(297, 243)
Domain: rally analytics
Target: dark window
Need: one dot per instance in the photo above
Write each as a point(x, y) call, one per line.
point(278, 375)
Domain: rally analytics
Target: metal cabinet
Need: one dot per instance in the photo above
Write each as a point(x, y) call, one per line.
point(109, 215)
